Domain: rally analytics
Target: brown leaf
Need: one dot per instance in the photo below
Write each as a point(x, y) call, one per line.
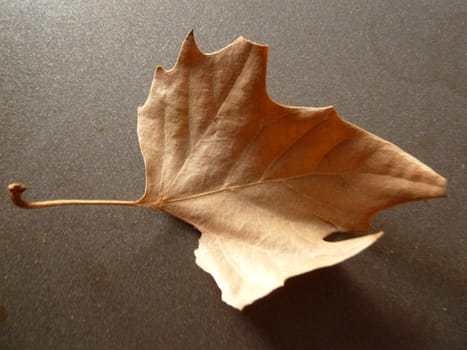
point(264, 183)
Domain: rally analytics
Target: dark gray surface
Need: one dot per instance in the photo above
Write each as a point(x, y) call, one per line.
point(72, 75)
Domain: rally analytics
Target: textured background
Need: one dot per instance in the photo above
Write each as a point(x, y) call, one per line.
point(72, 75)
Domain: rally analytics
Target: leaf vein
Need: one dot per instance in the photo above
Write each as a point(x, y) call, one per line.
point(207, 129)
point(237, 187)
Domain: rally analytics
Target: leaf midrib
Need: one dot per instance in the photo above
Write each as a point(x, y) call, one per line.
point(264, 182)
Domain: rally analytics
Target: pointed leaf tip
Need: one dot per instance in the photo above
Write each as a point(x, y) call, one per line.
point(190, 35)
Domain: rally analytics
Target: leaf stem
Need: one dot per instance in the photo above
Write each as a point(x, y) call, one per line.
point(15, 191)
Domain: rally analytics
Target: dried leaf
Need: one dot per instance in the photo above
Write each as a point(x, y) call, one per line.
point(263, 182)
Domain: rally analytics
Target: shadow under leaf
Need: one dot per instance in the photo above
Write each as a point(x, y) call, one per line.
point(324, 309)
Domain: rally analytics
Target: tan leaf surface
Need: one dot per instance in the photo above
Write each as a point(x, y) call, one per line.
point(264, 183)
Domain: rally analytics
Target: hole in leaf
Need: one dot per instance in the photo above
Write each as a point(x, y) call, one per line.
point(342, 236)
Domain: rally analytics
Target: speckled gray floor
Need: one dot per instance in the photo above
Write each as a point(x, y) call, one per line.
point(72, 74)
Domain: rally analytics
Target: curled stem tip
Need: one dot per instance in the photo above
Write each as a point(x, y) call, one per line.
point(15, 190)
